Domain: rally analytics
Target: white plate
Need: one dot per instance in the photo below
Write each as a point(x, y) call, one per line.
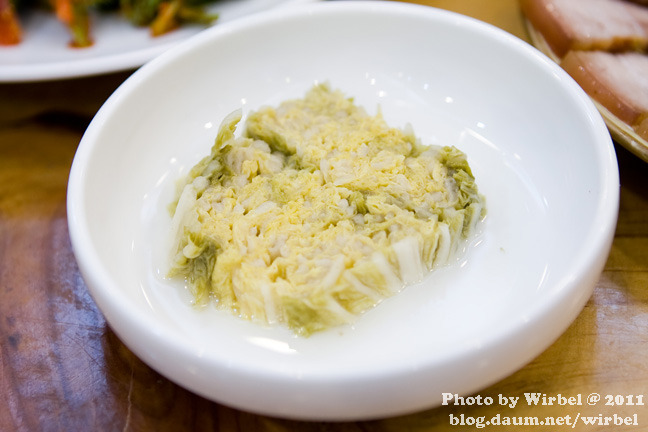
point(539, 149)
point(44, 53)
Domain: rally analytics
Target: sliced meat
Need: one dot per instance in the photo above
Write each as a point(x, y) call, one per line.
point(607, 25)
point(619, 82)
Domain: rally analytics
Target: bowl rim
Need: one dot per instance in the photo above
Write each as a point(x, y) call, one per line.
point(100, 282)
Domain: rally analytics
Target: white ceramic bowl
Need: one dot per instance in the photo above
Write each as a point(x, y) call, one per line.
point(539, 149)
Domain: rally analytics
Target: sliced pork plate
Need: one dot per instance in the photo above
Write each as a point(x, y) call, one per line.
point(619, 82)
point(603, 45)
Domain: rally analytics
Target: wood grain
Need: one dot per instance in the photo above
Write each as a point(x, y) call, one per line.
point(63, 369)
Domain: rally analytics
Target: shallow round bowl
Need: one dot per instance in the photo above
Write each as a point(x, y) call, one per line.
point(540, 152)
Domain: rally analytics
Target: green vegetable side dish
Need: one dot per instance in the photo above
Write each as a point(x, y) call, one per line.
point(317, 213)
point(160, 16)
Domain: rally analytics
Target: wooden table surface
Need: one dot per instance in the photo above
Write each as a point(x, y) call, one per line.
point(63, 369)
